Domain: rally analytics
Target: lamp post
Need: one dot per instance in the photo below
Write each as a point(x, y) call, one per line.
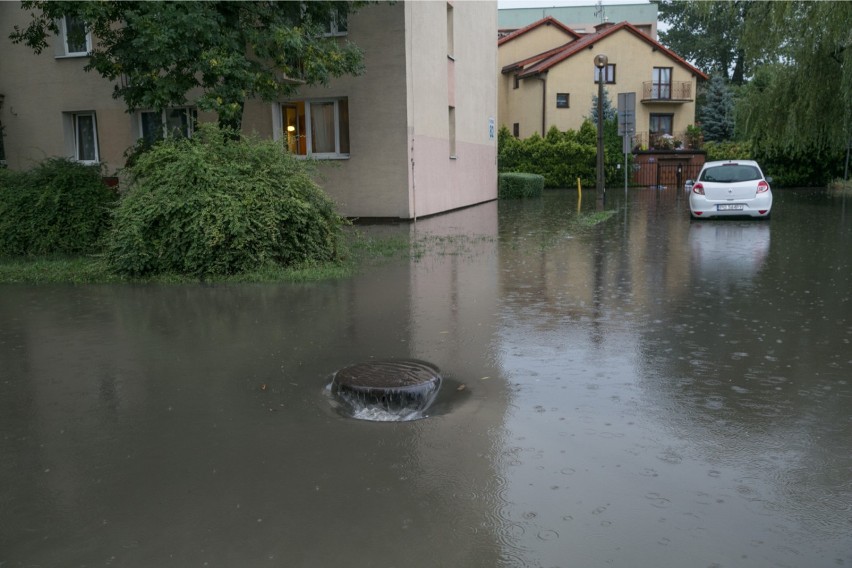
point(600, 62)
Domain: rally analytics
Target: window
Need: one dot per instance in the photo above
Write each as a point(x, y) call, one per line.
point(661, 124)
point(75, 40)
point(452, 114)
point(338, 25)
point(562, 100)
point(661, 84)
point(516, 130)
point(610, 74)
point(317, 128)
point(82, 136)
point(177, 122)
point(450, 36)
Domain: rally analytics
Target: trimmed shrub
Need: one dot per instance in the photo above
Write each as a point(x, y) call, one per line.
point(562, 156)
point(58, 207)
point(218, 204)
point(517, 186)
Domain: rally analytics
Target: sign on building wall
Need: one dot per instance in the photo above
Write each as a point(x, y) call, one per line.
point(491, 128)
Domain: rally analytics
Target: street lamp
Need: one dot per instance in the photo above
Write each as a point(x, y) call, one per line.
point(600, 62)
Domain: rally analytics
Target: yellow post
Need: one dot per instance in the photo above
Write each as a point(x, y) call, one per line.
point(579, 195)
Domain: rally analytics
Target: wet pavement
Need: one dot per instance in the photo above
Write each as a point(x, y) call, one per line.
point(650, 392)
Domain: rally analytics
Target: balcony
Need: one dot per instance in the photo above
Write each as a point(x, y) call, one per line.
point(660, 141)
point(677, 92)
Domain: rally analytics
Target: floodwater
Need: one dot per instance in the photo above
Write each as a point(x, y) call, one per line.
point(653, 392)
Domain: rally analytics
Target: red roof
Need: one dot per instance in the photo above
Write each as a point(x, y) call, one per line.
point(548, 21)
point(550, 58)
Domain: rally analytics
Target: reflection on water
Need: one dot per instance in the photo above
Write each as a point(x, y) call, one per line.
point(650, 392)
point(729, 250)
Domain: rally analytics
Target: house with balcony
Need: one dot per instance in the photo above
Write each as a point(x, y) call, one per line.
point(415, 135)
point(549, 79)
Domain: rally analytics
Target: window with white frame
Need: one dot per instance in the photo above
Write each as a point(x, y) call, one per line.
point(75, 39)
point(318, 128)
point(175, 122)
point(338, 24)
point(82, 136)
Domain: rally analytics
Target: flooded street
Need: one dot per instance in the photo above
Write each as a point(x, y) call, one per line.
point(650, 392)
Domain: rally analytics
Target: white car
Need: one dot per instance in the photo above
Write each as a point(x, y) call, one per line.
point(730, 188)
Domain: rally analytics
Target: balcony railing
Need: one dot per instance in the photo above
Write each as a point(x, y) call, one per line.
point(674, 92)
point(659, 141)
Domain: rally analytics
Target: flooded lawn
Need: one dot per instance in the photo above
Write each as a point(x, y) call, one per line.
point(649, 392)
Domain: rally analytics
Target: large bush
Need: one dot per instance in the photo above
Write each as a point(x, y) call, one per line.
point(58, 207)
point(215, 204)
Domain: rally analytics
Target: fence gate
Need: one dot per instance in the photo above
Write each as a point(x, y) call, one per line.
point(664, 173)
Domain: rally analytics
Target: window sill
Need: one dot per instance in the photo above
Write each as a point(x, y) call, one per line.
point(454, 157)
point(323, 157)
point(72, 56)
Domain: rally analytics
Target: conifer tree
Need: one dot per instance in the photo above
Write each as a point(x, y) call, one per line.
point(717, 113)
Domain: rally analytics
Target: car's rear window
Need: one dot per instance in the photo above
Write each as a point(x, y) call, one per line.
point(730, 173)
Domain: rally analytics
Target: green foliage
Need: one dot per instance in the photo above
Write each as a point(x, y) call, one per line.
point(212, 205)
point(801, 100)
point(609, 111)
point(728, 151)
point(562, 157)
point(707, 34)
point(717, 112)
point(518, 185)
point(58, 207)
point(229, 51)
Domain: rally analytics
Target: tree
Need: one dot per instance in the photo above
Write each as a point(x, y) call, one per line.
point(717, 112)
point(229, 51)
point(609, 111)
point(801, 100)
point(708, 34)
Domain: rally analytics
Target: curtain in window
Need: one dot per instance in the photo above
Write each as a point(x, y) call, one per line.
point(75, 35)
point(86, 151)
point(662, 84)
point(177, 122)
point(322, 128)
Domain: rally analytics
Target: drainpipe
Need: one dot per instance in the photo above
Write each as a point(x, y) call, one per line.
point(543, 78)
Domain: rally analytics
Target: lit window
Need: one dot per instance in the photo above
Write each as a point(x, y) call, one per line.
point(610, 74)
point(562, 100)
point(317, 128)
point(177, 122)
point(76, 41)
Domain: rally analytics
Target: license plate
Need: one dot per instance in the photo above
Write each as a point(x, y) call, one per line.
point(730, 207)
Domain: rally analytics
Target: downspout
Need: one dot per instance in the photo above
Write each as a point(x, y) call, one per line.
point(543, 78)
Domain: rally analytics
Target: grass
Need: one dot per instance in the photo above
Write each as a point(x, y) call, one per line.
point(362, 251)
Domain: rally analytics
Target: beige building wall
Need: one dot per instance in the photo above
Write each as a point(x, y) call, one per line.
point(521, 106)
point(38, 89)
point(538, 40)
point(452, 104)
point(410, 155)
point(634, 60)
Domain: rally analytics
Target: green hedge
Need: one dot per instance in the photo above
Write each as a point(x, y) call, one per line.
point(562, 156)
point(57, 207)
point(217, 205)
point(517, 185)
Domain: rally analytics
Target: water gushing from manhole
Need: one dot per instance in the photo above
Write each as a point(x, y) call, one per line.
point(391, 390)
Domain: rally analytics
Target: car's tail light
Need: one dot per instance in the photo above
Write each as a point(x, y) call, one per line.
point(699, 189)
point(762, 186)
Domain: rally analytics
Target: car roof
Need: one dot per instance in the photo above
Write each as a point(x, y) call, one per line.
point(725, 162)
